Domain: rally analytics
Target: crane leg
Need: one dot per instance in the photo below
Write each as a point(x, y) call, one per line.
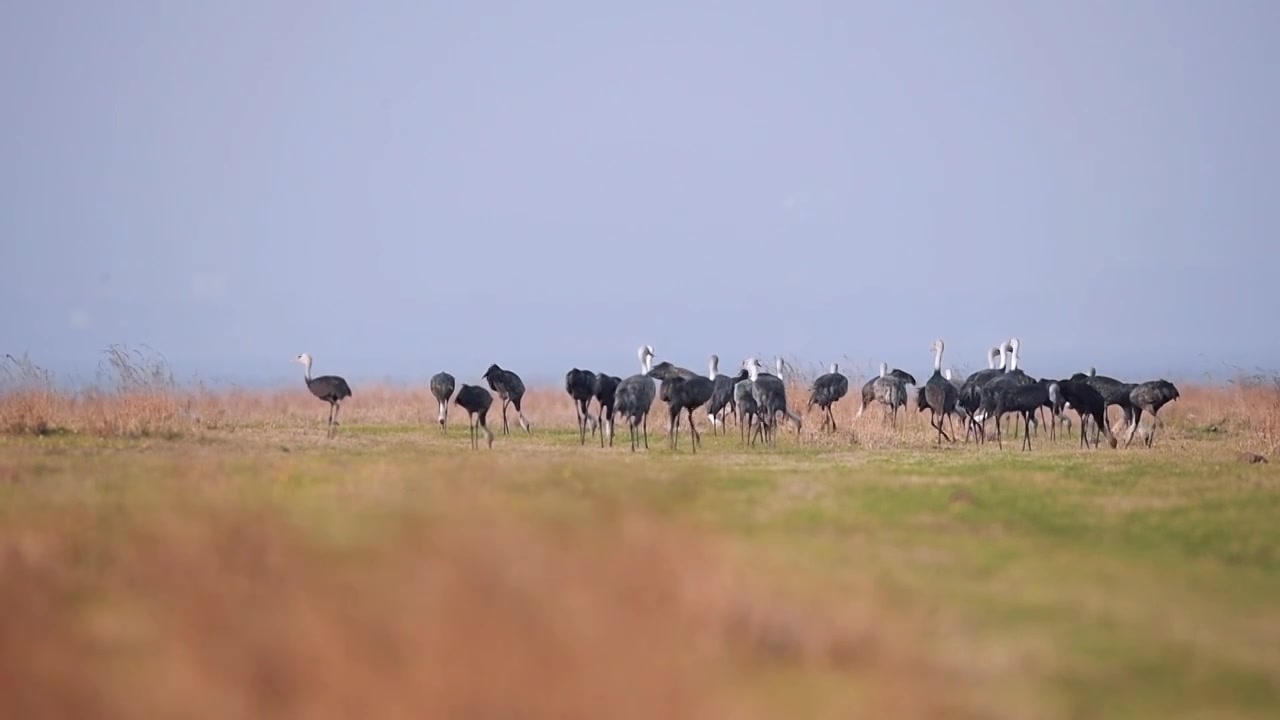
point(940, 419)
point(1133, 425)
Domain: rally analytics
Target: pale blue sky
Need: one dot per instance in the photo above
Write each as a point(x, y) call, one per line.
point(403, 187)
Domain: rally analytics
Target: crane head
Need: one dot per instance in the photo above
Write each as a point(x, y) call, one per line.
point(304, 358)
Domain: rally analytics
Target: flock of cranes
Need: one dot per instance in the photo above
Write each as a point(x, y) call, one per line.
point(758, 399)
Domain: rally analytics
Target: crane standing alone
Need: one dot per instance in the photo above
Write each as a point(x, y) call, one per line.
point(329, 388)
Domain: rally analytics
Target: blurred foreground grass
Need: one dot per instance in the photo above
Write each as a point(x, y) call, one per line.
point(394, 574)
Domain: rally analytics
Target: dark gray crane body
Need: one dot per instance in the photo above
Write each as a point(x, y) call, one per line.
point(476, 401)
point(332, 389)
point(510, 389)
point(581, 386)
point(606, 389)
point(826, 391)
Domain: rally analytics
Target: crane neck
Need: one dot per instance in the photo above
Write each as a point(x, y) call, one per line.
point(937, 358)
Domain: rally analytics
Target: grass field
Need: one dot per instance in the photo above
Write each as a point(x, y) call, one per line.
point(211, 555)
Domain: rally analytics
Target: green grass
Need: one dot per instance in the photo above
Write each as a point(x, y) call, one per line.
point(1100, 583)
